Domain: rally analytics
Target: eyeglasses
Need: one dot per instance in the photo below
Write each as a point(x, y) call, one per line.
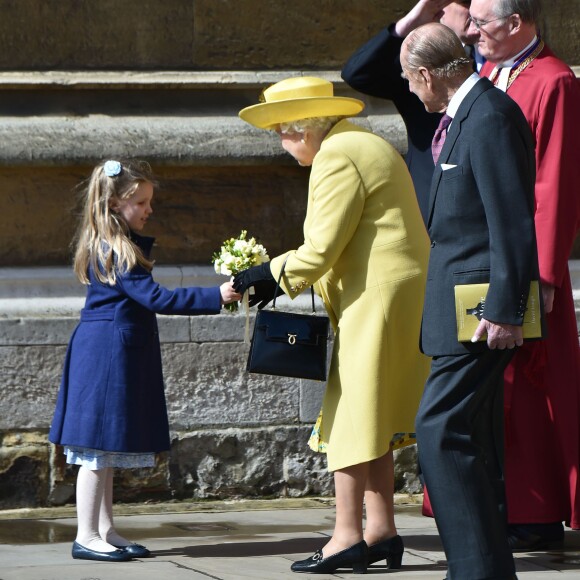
point(481, 23)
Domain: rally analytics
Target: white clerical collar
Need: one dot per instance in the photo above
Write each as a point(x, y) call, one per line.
point(461, 93)
point(511, 61)
point(500, 75)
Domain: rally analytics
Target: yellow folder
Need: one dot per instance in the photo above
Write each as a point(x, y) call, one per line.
point(470, 304)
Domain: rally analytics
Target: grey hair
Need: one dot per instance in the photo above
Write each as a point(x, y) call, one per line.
point(453, 68)
point(315, 124)
point(438, 49)
point(529, 10)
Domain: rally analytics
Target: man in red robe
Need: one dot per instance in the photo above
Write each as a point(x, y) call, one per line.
point(542, 383)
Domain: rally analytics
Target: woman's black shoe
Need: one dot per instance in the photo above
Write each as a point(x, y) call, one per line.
point(390, 550)
point(354, 557)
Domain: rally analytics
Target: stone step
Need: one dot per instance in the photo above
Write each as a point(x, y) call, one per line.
point(56, 118)
point(156, 79)
point(176, 141)
point(161, 79)
point(174, 118)
point(54, 292)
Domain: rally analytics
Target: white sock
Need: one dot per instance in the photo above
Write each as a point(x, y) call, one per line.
point(90, 492)
point(106, 527)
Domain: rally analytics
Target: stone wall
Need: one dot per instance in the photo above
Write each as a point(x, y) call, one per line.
point(233, 433)
point(217, 174)
point(194, 210)
point(213, 34)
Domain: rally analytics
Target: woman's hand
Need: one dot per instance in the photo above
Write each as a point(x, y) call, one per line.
point(262, 284)
point(248, 278)
point(228, 293)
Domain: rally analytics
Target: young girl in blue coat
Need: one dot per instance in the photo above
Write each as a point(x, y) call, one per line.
point(111, 408)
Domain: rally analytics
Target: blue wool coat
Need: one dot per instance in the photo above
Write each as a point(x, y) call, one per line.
point(112, 395)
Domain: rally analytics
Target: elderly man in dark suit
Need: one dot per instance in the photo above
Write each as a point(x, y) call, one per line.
point(480, 221)
point(374, 69)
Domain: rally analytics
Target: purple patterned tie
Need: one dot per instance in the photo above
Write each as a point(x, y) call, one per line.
point(439, 137)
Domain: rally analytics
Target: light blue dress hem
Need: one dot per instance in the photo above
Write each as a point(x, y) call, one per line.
point(95, 459)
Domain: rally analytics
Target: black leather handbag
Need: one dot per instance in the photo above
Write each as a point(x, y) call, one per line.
point(288, 344)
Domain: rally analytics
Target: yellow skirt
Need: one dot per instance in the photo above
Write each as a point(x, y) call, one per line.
point(316, 443)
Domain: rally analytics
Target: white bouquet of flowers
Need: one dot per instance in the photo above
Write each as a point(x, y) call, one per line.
point(236, 255)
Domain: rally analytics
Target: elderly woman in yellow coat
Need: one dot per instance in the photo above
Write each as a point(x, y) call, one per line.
point(365, 249)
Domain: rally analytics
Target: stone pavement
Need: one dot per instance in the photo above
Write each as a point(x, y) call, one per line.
point(231, 540)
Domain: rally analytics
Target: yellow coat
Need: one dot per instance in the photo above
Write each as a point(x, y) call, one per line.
point(366, 246)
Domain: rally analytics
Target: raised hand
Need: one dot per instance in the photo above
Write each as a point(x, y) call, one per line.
point(424, 12)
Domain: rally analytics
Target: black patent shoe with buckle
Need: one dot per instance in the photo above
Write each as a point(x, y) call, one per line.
point(390, 550)
point(355, 557)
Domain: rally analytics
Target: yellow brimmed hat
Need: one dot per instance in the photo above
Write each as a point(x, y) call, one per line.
point(299, 98)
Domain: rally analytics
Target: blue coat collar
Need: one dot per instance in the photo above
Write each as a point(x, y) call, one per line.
point(145, 243)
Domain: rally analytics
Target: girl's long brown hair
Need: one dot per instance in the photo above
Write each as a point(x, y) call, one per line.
point(103, 238)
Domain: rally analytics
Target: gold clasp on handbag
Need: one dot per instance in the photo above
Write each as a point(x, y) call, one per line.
point(291, 338)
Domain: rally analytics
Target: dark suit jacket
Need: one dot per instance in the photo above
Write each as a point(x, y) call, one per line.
point(480, 217)
point(375, 69)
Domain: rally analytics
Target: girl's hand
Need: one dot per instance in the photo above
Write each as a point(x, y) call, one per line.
point(228, 293)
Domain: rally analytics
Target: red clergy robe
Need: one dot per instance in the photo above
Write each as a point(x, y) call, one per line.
point(542, 384)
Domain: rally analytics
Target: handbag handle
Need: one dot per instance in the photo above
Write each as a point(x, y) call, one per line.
point(278, 286)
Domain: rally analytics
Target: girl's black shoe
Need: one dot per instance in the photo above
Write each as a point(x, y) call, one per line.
point(136, 550)
point(81, 553)
point(390, 550)
point(354, 557)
